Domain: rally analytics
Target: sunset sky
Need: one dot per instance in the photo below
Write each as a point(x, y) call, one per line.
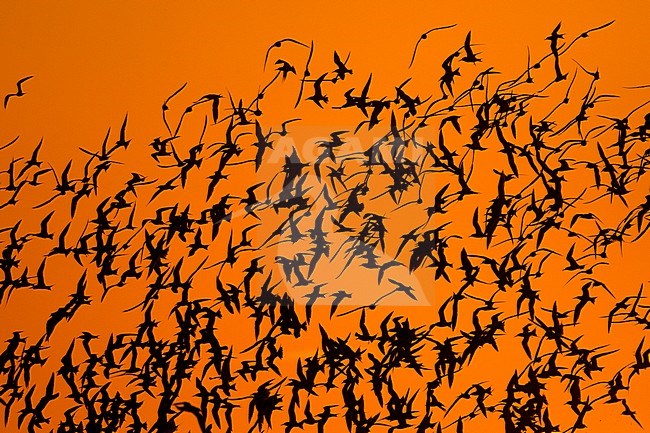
point(96, 62)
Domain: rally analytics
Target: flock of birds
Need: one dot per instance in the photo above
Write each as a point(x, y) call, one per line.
point(216, 244)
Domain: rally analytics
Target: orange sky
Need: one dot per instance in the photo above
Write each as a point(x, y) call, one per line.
point(94, 62)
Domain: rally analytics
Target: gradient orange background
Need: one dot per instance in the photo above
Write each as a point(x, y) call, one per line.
point(94, 62)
